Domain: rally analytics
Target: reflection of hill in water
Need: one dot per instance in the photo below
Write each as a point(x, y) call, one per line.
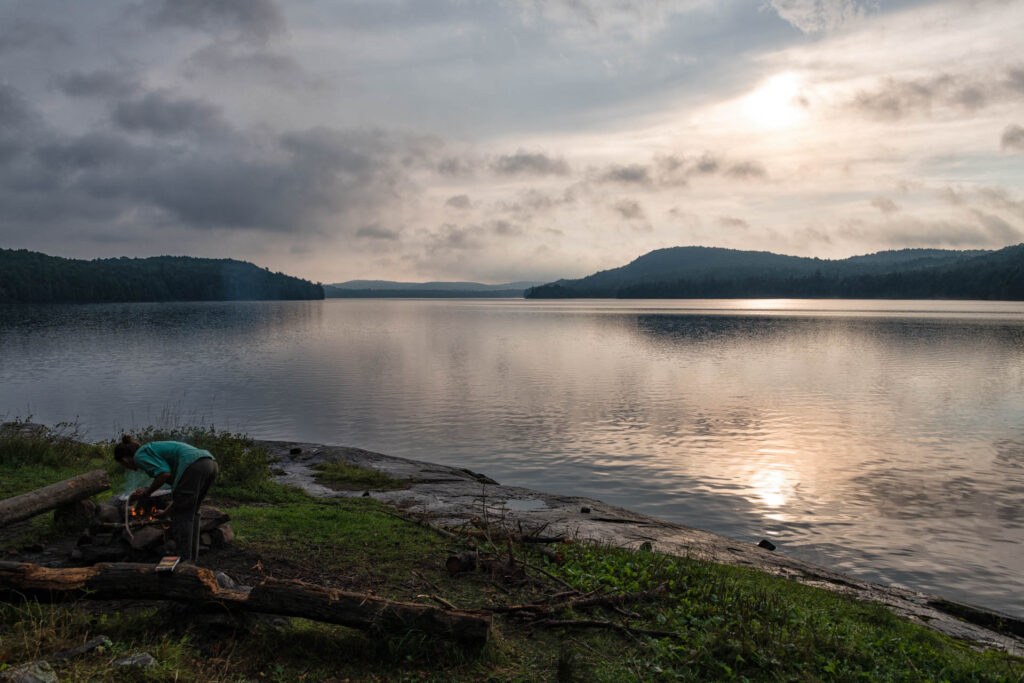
point(235, 323)
point(897, 334)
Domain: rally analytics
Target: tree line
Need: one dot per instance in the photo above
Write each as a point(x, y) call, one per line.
point(995, 275)
point(33, 277)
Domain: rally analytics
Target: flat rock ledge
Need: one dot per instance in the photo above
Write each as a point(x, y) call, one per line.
point(450, 496)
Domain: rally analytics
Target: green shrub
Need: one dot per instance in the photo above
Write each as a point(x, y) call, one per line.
point(23, 442)
point(242, 462)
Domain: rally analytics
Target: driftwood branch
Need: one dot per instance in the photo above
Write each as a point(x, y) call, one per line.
point(196, 585)
point(30, 504)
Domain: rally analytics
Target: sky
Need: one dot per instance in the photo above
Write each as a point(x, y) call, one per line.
point(506, 140)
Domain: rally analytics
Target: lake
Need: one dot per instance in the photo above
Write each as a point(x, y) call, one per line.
point(881, 438)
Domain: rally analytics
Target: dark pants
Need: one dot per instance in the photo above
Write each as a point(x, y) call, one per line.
point(188, 495)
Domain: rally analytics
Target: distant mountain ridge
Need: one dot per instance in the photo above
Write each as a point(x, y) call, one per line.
point(712, 272)
point(33, 277)
point(388, 288)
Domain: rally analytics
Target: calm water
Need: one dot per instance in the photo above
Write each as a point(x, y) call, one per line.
point(882, 438)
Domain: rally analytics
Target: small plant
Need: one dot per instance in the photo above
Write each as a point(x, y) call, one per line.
point(342, 476)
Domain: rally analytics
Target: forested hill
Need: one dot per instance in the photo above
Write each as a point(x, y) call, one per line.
point(31, 277)
point(707, 272)
point(425, 290)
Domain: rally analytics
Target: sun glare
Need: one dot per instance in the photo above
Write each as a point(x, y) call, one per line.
point(777, 103)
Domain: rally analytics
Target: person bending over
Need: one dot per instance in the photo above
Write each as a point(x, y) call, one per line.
point(188, 469)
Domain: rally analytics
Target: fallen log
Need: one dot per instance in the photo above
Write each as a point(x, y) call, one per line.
point(30, 504)
point(128, 581)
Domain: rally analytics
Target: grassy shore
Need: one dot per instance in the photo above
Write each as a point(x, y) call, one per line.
point(707, 622)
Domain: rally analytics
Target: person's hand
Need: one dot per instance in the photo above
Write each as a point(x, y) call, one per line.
point(160, 514)
point(138, 494)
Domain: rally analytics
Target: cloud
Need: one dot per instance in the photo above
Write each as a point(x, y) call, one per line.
point(376, 232)
point(455, 238)
point(885, 205)
point(506, 229)
point(999, 230)
point(746, 170)
point(17, 33)
point(301, 181)
point(102, 83)
point(629, 209)
point(457, 167)
point(1013, 138)
point(526, 163)
point(460, 201)
point(977, 230)
point(162, 113)
point(811, 16)
point(632, 174)
point(620, 21)
point(18, 123)
point(896, 98)
point(234, 61)
point(254, 20)
point(733, 223)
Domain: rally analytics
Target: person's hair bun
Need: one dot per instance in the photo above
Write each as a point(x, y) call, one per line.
point(125, 438)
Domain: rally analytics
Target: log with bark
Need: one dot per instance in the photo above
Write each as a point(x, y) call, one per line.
point(30, 504)
point(125, 581)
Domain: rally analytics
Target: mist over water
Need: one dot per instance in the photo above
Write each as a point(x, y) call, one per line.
point(882, 438)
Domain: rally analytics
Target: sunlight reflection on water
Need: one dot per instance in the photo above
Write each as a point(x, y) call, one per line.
point(884, 438)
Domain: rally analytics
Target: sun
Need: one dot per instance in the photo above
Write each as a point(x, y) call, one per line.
point(777, 103)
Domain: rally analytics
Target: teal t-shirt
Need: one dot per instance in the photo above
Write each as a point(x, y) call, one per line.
point(157, 457)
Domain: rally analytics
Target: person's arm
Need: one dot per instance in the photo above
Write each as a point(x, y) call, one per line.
point(147, 491)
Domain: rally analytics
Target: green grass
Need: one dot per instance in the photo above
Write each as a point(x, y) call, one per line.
point(734, 623)
point(351, 535)
point(727, 623)
point(345, 477)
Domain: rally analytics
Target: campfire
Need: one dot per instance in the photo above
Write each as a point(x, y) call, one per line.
point(119, 530)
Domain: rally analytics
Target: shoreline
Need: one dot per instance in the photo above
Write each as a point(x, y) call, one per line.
point(450, 496)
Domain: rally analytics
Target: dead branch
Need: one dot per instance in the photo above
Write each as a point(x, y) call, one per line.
point(199, 586)
point(30, 504)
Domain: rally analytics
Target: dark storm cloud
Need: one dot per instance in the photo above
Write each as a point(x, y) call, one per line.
point(18, 123)
point(376, 232)
point(290, 182)
point(101, 83)
point(885, 205)
point(257, 20)
point(527, 163)
point(746, 170)
point(238, 62)
point(460, 201)
point(162, 113)
point(629, 209)
point(1013, 138)
point(17, 33)
point(894, 98)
